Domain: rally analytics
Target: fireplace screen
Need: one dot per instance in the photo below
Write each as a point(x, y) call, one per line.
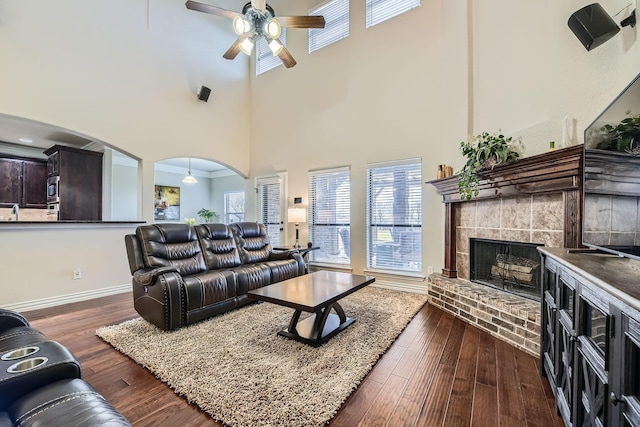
point(510, 266)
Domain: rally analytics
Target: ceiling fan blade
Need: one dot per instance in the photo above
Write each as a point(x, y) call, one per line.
point(234, 49)
point(286, 58)
point(259, 4)
point(213, 10)
point(301, 21)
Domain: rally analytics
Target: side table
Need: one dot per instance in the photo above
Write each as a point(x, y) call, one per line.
point(303, 251)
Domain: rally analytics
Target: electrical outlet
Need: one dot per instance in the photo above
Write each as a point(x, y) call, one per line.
point(77, 274)
point(430, 269)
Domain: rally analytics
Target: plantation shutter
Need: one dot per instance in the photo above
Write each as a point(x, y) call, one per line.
point(330, 215)
point(394, 215)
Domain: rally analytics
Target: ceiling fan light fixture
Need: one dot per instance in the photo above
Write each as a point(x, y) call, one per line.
point(276, 46)
point(272, 28)
point(241, 25)
point(246, 46)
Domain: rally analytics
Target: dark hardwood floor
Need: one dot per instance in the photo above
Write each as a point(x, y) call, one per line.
point(439, 372)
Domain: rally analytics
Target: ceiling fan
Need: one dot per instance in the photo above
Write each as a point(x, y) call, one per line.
point(258, 20)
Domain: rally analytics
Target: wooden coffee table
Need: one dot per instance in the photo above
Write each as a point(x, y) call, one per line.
point(316, 293)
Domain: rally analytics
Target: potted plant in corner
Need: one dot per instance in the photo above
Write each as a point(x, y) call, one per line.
point(483, 152)
point(207, 214)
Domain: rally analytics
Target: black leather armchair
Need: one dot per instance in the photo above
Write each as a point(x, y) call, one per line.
point(40, 382)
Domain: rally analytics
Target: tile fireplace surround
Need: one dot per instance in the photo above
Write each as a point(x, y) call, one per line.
point(536, 199)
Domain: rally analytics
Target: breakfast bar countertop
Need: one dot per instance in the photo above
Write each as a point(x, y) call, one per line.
point(15, 225)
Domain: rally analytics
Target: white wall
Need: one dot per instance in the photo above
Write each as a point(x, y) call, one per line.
point(124, 195)
point(414, 86)
point(418, 84)
point(126, 73)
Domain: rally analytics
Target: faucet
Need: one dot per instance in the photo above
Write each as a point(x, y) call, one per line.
point(16, 210)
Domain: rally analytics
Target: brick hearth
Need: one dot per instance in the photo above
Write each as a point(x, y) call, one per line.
point(509, 317)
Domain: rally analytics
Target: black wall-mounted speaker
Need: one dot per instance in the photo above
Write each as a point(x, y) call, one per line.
point(592, 25)
point(203, 93)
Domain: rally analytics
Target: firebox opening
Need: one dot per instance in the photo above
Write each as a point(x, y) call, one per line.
point(511, 266)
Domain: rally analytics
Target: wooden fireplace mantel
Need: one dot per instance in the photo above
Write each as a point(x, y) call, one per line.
point(558, 171)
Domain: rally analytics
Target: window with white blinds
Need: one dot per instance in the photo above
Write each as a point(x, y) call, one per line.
point(330, 215)
point(394, 215)
point(336, 17)
point(381, 10)
point(265, 59)
point(269, 206)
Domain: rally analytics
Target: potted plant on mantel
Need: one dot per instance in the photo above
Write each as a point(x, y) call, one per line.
point(207, 214)
point(484, 151)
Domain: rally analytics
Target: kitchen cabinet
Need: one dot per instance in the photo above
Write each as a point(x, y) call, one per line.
point(590, 336)
point(79, 192)
point(53, 164)
point(626, 395)
point(23, 182)
point(34, 193)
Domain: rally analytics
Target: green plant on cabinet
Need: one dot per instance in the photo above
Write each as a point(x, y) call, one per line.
point(623, 137)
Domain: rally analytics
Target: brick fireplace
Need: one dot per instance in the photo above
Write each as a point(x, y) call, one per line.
point(534, 200)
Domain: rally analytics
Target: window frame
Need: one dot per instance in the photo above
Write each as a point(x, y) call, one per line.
point(401, 251)
point(265, 59)
point(336, 19)
point(378, 11)
point(326, 254)
point(226, 212)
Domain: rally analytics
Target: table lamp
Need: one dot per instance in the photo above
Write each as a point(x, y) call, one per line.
point(297, 215)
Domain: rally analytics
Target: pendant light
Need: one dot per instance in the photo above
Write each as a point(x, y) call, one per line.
point(190, 179)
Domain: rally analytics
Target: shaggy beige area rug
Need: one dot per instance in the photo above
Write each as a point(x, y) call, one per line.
point(238, 370)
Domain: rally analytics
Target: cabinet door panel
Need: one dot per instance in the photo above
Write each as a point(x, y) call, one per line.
point(10, 182)
point(549, 343)
point(53, 164)
point(565, 390)
point(630, 366)
point(34, 185)
point(549, 322)
point(593, 385)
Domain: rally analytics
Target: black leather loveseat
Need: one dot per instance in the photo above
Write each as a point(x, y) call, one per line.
point(40, 382)
point(184, 274)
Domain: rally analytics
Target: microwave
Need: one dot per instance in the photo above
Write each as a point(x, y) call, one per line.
point(53, 189)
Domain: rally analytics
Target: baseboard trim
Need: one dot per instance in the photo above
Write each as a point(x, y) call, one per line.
point(405, 287)
point(68, 298)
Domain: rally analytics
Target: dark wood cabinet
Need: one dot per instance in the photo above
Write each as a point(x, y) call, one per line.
point(10, 181)
point(53, 164)
point(80, 183)
point(34, 185)
point(590, 341)
point(23, 182)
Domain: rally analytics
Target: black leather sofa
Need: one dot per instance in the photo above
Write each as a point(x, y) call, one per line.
point(184, 274)
point(40, 382)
